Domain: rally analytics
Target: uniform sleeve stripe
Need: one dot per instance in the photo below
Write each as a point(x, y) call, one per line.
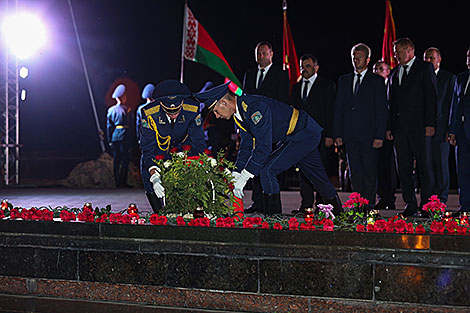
point(190, 107)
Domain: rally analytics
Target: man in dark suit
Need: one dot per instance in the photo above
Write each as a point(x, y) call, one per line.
point(412, 121)
point(270, 81)
point(316, 96)
point(387, 178)
point(459, 134)
point(361, 120)
point(439, 144)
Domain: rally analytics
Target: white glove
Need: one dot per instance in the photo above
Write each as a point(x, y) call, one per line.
point(239, 182)
point(157, 184)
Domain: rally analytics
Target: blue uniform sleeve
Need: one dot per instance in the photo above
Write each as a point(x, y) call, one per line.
point(147, 142)
point(260, 125)
point(110, 124)
point(138, 123)
point(244, 151)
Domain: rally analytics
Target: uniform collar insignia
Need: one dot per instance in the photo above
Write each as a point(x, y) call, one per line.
point(160, 121)
point(244, 106)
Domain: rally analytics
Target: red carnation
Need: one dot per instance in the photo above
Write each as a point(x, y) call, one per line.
point(293, 224)
point(180, 221)
point(153, 219)
point(2, 215)
point(451, 226)
point(14, 214)
point(265, 225)
point(410, 228)
point(360, 228)
point(328, 225)
point(420, 229)
point(437, 227)
point(159, 157)
point(115, 218)
point(126, 219)
point(47, 215)
point(186, 147)
point(379, 226)
point(247, 223)
point(461, 230)
point(400, 226)
point(174, 150)
point(277, 226)
point(162, 220)
point(370, 228)
point(207, 152)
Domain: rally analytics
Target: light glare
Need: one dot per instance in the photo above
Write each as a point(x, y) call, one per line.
point(23, 94)
point(24, 72)
point(24, 34)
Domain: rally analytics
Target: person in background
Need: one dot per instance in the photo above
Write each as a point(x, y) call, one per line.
point(412, 121)
point(459, 134)
point(118, 135)
point(387, 178)
point(316, 96)
point(439, 144)
point(360, 121)
point(267, 80)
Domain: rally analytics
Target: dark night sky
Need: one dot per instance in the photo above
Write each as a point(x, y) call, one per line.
point(141, 40)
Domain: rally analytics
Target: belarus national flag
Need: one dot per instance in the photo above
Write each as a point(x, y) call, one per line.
point(199, 47)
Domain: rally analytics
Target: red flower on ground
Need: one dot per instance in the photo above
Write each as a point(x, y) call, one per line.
point(207, 152)
point(159, 157)
point(67, 216)
point(115, 218)
point(380, 226)
point(389, 226)
point(461, 230)
point(2, 215)
point(277, 226)
point(47, 215)
point(307, 226)
point(174, 150)
point(370, 228)
point(293, 224)
point(162, 220)
point(265, 225)
point(186, 147)
point(400, 226)
point(437, 227)
point(14, 214)
point(247, 223)
point(126, 219)
point(328, 225)
point(153, 219)
point(180, 221)
point(360, 228)
point(420, 229)
point(451, 226)
point(410, 228)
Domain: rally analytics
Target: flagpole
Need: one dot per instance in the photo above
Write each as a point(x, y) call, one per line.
point(182, 40)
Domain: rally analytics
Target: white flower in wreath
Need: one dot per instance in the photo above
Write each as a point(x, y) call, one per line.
point(167, 164)
point(180, 154)
point(213, 162)
point(227, 172)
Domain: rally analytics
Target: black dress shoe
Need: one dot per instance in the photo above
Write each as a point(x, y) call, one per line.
point(382, 205)
point(298, 211)
point(410, 210)
point(424, 214)
point(253, 209)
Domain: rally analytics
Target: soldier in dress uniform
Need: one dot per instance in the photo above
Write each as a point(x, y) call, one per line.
point(172, 120)
point(263, 121)
point(155, 203)
point(118, 135)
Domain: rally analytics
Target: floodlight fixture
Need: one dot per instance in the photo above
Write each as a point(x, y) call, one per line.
point(24, 34)
point(24, 72)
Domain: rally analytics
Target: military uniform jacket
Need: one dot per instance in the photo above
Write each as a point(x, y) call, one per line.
point(266, 121)
point(117, 123)
point(158, 136)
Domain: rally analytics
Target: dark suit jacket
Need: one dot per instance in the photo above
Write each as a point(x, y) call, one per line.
point(275, 84)
point(361, 117)
point(460, 108)
point(413, 104)
point(320, 103)
point(445, 88)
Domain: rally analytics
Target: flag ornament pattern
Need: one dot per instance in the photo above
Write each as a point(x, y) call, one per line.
point(199, 47)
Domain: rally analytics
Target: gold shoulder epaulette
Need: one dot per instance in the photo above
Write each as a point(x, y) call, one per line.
point(190, 107)
point(150, 111)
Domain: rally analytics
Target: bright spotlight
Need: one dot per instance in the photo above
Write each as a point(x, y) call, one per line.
point(24, 34)
point(23, 94)
point(24, 72)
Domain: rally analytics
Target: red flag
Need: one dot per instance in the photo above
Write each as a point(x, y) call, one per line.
point(389, 36)
point(290, 60)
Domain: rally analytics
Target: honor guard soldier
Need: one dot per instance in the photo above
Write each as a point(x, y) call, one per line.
point(172, 120)
point(147, 94)
point(263, 121)
point(118, 135)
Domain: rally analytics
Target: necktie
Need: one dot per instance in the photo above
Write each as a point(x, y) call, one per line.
point(260, 78)
point(305, 92)
point(405, 73)
point(358, 82)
